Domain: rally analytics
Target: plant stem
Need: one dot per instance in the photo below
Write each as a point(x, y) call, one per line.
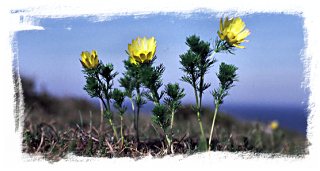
point(137, 124)
point(138, 112)
point(198, 110)
point(108, 98)
point(169, 142)
point(114, 129)
point(201, 90)
point(167, 139)
point(134, 114)
point(104, 103)
point(121, 129)
point(171, 124)
point(104, 89)
point(171, 131)
point(107, 106)
point(110, 121)
point(101, 118)
point(90, 123)
point(200, 105)
point(213, 53)
point(200, 124)
point(132, 104)
point(195, 94)
point(213, 121)
point(81, 121)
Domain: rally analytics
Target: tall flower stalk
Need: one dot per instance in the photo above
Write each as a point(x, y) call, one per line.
point(118, 96)
point(196, 62)
point(232, 33)
point(132, 83)
point(152, 81)
point(161, 118)
point(141, 52)
point(99, 82)
point(143, 75)
point(227, 76)
point(151, 77)
point(173, 101)
point(163, 113)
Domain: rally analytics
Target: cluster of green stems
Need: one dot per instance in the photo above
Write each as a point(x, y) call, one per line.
point(144, 81)
point(196, 63)
point(99, 83)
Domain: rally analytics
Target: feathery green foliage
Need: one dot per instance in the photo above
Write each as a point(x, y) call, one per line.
point(174, 95)
point(227, 76)
point(160, 116)
point(152, 81)
point(118, 96)
point(99, 83)
point(196, 62)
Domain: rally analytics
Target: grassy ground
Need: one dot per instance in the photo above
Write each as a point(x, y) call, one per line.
point(54, 127)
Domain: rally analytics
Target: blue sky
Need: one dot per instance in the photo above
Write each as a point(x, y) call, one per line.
point(270, 68)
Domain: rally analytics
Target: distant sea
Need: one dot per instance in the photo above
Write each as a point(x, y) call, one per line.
point(289, 117)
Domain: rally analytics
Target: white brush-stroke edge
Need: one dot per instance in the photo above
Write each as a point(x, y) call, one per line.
point(18, 15)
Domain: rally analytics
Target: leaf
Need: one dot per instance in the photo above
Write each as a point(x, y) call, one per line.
point(161, 116)
point(186, 79)
point(206, 85)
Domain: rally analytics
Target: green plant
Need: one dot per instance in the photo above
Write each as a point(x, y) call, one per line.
point(231, 34)
point(161, 118)
point(173, 101)
point(99, 82)
point(118, 96)
point(141, 54)
point(196, 62)
point(227, 76)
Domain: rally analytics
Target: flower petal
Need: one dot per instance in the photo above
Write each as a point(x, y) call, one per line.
point(142, 49)
point(233, 31)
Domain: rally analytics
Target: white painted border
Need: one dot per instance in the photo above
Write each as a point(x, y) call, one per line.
point(23, 19)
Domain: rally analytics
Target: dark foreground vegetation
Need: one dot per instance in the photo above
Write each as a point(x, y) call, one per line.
point(54, 127)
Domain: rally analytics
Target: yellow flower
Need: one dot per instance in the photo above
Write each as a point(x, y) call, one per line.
point(233, 31)
point(274, 125)
point(142, 50)
point(88, 60)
